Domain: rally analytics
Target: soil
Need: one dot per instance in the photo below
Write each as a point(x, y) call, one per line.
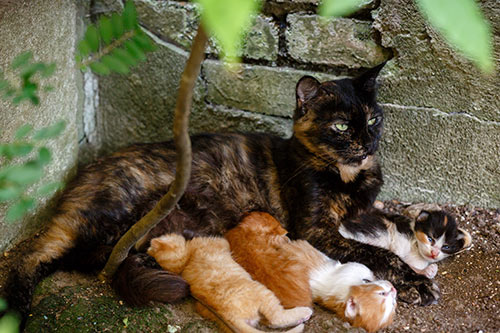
point(469, 282)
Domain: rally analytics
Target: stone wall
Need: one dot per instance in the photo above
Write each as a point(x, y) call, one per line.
point(442, 137)
point(49, 29)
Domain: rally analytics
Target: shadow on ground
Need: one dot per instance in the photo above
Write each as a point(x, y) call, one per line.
point(469, 282)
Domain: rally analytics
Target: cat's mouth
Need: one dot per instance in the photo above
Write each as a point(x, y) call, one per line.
point(356, 160)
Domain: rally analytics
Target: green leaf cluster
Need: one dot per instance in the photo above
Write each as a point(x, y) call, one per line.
point(29, 72)
point(114, 44)
point(15, 178)
point(9, 323)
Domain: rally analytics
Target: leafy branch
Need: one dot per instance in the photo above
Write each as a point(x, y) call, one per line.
point(115, 44)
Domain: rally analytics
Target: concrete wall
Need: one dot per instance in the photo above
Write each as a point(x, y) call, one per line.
point(49, 29)
point(442, 137)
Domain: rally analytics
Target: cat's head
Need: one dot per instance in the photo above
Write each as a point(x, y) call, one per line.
point(339, 121)
point(371, 305)
point(438, 235)
point(263, 224)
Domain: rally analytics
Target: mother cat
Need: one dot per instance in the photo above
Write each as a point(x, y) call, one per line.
point(324, 173)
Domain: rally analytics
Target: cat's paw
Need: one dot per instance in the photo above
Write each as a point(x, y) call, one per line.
point(293, 317)
point(423, 292)
point(430, 271)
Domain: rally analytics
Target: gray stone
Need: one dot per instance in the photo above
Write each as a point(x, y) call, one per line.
point(259, 89)
point(432, 156)
point(261, 41)
point(51, 35)
point(339, 42)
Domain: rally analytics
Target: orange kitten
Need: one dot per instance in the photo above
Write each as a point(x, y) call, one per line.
point(219, 282)
point(299, 274)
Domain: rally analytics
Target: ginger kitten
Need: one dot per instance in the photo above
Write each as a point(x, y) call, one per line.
point(299, 274)
point(218, 282)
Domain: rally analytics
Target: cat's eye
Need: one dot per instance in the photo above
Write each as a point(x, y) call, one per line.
point(429, 238)
point(445, 247)
point(383, 293)
point(341, 127)
point(372, 121)
point(366, 281)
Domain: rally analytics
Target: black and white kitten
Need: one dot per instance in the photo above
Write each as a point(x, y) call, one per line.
point(420, 242)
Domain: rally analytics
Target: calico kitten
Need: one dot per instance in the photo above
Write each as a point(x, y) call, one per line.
point(324, 174)
point(220, 283)
point(298, 274)
point(420, 242)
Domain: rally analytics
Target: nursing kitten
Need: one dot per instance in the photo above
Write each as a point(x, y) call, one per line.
point(420, 242)
point(219, 282)
point(298, 274)
point(325, 173)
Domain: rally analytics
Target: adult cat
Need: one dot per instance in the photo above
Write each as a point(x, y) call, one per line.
point(326, 172)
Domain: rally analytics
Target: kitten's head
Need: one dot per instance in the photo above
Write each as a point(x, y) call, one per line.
point(371, 305)
point(339, 121)
point(263, 224)
point(438, 235)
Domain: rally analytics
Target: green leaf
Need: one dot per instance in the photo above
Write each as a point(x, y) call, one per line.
point(106, 29)
point(9, 193)
point(22, 59)
point(4, 84)
point(25, 174)
point(16, 149)
point(23, 131)
point(117, 24)
point(134, 50)
point(115, 64)
point(3, 304)
point(338, 8)
point(144, 42)
point(124, 56)
point(50, 131)
point(18, 210)
point(9, 323)
point(48, 70)
point(92, 38)
point(30, 70)
point(228, 20)
point(99, 68)
point(49, 188)
point(84, 48)
point(129, 16)
point(463, 26)
point(44, 156)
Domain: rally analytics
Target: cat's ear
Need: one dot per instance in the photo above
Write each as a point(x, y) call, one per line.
point(367, 82)
point(350, 308)
point(306, 88)
point(423, 216)
point(465, 236)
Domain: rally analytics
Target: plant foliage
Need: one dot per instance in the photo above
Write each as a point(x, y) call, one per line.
point(16, 178)
point(29, 73)
point(114, 44)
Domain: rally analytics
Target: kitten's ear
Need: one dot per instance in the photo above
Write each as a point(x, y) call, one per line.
point(467, 238)
point(306, 88)
point(423, 216)
point(350, 308)
point(367, 82)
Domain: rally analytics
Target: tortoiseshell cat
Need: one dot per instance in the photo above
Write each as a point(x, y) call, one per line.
point(297, 273)
point(325, 173)
point(420, 242)
point(219, 282)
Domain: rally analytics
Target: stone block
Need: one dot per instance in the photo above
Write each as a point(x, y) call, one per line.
point(337, 42)
point(51, 34)
point(260, 89)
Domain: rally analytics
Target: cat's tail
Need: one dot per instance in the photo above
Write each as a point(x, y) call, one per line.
point(139, 280)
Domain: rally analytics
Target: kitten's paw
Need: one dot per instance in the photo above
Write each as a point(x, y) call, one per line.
point(422, 292)
point(292, 317)
point(431, 271)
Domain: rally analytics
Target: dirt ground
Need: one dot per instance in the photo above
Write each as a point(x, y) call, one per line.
point(469, 282)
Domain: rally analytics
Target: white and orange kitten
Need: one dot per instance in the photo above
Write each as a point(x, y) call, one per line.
point(218, 282)
point(299, 274)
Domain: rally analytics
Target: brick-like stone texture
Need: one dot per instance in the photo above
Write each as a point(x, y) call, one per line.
point(259, 89)
point(339, 42)
point(49, 30)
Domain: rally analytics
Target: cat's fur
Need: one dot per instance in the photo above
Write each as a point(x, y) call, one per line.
point(219, 282)
point(309, 182)
point(420, 242)
point(298, 274)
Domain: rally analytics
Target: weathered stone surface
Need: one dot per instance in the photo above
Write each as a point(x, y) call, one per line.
point(178, 21)
point(259, 89)
point(433, 156)
point(139, 107)
point(51, 35)
point(339, 42)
